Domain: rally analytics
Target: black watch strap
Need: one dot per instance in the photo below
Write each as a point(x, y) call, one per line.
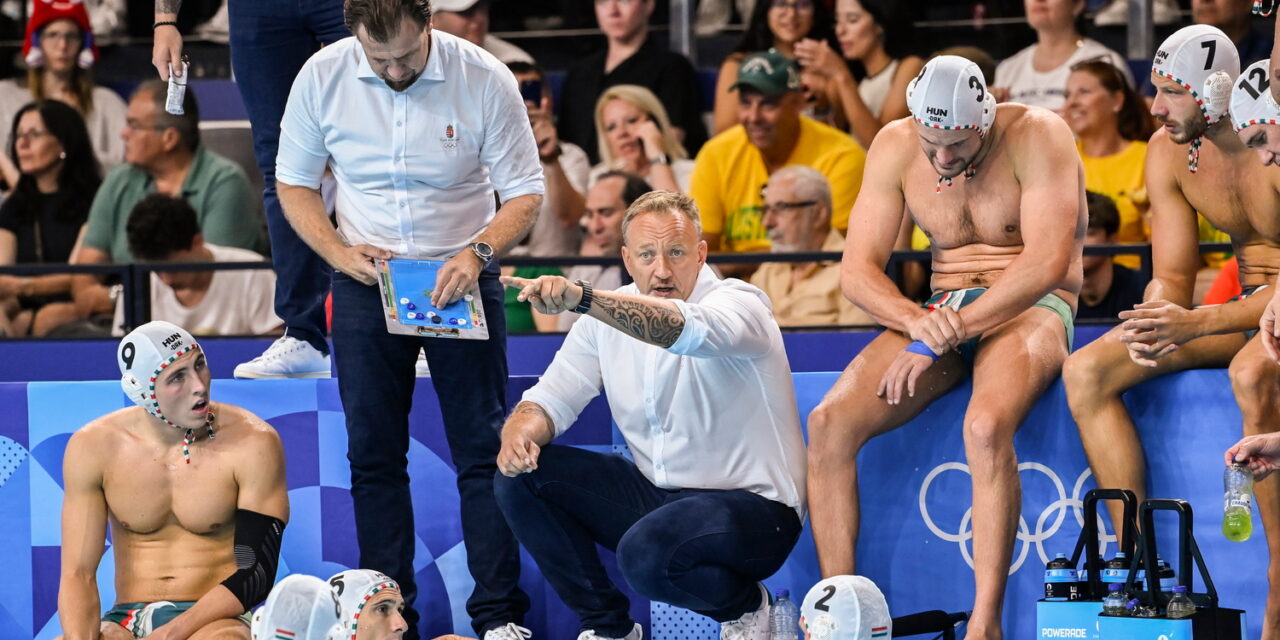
point(584, 305)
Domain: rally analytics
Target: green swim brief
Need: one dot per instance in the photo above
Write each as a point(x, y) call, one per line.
point(142, 618)
point(960, 298)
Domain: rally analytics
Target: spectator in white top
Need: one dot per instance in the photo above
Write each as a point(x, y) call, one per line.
point(421, 129)
point(1037, 75)
point(163, 228)
point(713, 502)
point(564, 167)
point(469, 19)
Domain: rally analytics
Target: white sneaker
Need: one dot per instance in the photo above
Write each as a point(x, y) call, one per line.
point(753, 625)
point(636, 634)
point(286, 358)
point(421, 369)
point(1164, 12)
point(511, 631)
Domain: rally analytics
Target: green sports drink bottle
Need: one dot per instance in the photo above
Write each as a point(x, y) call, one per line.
point(1237, 510)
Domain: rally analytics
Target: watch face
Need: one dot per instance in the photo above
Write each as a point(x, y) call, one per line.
point(483, 249)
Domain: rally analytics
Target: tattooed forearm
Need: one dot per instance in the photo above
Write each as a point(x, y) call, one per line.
point(168, 6)
point(652, 322)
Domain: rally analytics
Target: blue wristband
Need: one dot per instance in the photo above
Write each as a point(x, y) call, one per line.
point(922, 349)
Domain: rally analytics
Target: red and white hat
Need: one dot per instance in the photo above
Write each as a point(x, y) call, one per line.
point(45, 11)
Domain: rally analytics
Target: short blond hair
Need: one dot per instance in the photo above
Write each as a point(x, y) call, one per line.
point(662, 202)
point(644, 100)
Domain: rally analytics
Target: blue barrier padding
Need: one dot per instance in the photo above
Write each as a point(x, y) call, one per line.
point(914, 484)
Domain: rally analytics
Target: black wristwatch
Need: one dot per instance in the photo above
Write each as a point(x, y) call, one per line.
point(584, 305)
point(484, 251)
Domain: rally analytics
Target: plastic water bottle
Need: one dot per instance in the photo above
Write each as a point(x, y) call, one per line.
point(784, 617)
point(1115, 602)
point(1060, 579)
point(1237, 508)
point(1116, 570)
point(1180, 606)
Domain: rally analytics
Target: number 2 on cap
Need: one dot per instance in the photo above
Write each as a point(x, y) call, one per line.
point(1261, 83)
point(821, 604)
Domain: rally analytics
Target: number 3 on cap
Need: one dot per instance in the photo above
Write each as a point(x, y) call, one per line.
point(974, 83)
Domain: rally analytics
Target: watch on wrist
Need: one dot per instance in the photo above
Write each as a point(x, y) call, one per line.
point(584, 305)
point(660, 158)
point(484, 251)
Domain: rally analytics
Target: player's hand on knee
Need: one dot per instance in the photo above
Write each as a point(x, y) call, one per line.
point(1268, 327)
point(901, 375)
point(1165, 323)
point(519, 454)
point(1147, 354)
point(357, 261)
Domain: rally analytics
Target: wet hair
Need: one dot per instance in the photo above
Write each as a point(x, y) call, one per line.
point(160, 225)
point(381, 18)
point(187, 124)
point(633, 186)
point(1102, 212)
point(1133, 120)
point(663, 202)
point(758, 37)
point(79, 177)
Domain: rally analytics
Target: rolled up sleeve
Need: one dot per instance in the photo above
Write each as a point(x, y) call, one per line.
point(302, 154)
point(726, 323)
point(572, 380)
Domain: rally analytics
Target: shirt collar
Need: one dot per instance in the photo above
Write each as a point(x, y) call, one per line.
point(707, 281)
point(434, 71)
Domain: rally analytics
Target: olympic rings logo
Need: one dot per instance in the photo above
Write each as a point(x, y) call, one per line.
point(1027, 537)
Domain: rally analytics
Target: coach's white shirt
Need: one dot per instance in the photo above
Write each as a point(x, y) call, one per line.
point(716, 410)
point(416, 169)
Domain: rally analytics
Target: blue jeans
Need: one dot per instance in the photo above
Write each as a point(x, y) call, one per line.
point(375, 380)
point(700, 549)
point(270, 41)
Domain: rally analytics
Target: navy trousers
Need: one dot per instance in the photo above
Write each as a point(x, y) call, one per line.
point(700, 549)
point(375, 380)
point(270, 41)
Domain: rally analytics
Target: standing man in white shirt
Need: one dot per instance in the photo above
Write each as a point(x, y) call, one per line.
point(421, 129)
point(698, 383)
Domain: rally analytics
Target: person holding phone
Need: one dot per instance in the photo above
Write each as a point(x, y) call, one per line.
point(564, 167)
point(636, 137)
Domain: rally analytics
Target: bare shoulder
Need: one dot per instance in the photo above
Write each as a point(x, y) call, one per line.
point(93, 446)
point(1032, 128)
point(247, 428)
point(896, 142)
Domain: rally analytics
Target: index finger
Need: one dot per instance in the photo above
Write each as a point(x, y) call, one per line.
point(515, 282)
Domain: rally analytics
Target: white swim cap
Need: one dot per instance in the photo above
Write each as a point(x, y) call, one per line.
point(146, 352)
point(846, 608)
point(950, 93)
point(300, 607)
point(1204, 61)
point(1251, 101)
point(351, 590)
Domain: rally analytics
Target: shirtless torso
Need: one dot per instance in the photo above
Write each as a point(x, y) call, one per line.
point(1015, 228)
point(172, 523)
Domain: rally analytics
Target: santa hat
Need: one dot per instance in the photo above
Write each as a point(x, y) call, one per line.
point(46, 11)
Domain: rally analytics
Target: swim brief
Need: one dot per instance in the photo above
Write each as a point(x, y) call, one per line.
point(142, 618)
point(960, 298)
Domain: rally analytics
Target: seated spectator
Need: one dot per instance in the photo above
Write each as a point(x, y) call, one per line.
point(636, 137)
point(630, 57)
point(607, 203)
point(1109, 288)
point(730, 170)
point(59, 51)
point(1037, 75)
point(1112, 125)
point(797, 214)
point(163, 154)
point(237, 302)
point(41, 220)
point(778, 25)
point(564, 168)
point(1253, 38)
point(871, 88)
point(469, 19)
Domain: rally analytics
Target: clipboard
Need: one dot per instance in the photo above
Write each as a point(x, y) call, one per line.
point(405, 286)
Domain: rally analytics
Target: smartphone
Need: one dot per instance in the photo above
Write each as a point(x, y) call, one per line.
point(531, 91)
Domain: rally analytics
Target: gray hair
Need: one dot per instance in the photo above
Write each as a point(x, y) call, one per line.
point(662, 202)
point(806, 182)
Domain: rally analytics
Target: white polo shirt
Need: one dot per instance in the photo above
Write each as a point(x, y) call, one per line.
point(716, 410)
point(416, 169)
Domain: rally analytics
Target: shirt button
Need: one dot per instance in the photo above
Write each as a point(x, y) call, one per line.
point(398, 123)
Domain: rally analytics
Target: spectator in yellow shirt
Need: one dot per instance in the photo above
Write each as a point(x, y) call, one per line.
point(732, 167)
point(1112, 126)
